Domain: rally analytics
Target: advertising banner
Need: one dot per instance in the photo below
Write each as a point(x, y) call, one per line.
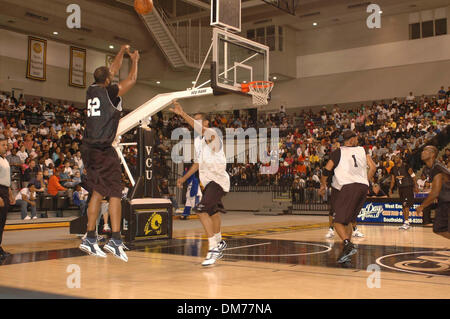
point(388, 212)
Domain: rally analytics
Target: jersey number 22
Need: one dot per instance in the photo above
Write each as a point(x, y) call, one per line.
point(93, 107)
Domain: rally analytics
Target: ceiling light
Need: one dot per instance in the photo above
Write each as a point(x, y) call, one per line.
point(55, 33)
point(274, 77)
point(315, 24)
point(111, 46)
point(157, 82)
point(381, 11)
point(193, 82)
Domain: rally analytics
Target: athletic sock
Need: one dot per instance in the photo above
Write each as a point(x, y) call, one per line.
point(212, 242)
point(92, 234)
point(407, 221)
point(116, 235)
point(218, 237)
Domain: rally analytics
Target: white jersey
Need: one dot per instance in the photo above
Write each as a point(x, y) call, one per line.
point(351, 167)
point(212, 164)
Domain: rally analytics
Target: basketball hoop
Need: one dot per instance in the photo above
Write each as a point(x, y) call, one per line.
point(259, 90)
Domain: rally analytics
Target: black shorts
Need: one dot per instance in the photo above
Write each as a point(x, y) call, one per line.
point(348, 202)
point(406, 195)
point(211, 202)
point(442, 221)
point(104, 171)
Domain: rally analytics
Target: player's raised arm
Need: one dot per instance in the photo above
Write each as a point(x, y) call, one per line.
point(130, 81)
point(196, 125)
point(117, 63)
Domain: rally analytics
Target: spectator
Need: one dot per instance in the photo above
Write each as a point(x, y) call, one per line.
point(31, 172)
point(23, 155)
point(14, 161)
point(310, 190)
point(80, 196)
point(27, 197)
point(39, 182)
point(421, 182)
point(53, 184)
point(442, 95)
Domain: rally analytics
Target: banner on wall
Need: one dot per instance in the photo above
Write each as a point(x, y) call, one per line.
point(37, 59)
point(77, 67)
point(389, 212)
point(109, 62)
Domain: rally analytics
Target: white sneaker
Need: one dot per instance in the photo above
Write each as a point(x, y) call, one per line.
point(357, 233)
point(212, 256)
point(35, 217)
point(92, 248)
point(222, 245)
point(27, 218)
point(106, 228)
point(330, 233)
point(405, 226)
point(116, 247)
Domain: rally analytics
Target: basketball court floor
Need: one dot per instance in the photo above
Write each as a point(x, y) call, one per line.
point(268, 257)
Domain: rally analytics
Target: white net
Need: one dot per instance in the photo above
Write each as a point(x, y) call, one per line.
point(260, 91)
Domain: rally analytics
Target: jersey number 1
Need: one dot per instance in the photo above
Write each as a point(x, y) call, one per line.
point(354, 158)
point(93, 107)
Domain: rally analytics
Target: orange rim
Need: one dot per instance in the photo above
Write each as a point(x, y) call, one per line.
point(245, 87)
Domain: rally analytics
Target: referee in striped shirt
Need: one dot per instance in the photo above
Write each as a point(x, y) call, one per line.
point(6, 196)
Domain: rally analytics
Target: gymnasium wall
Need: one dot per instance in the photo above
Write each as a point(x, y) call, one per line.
point(355, 34)
point(13, 64)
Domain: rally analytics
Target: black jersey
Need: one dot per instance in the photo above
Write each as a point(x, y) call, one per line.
point(103, 115)
point(438, 168)
point(407, 180)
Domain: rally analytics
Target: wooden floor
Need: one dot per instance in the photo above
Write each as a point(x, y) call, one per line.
point(267, 257)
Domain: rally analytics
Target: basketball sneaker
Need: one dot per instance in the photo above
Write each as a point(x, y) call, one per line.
point(116, 247)
point(330, 233)
point(357, 233)
point(348, 251)
point(91, 247)
point(222, 245)
point(212, 256)
point(405, 226)
point(106, 228)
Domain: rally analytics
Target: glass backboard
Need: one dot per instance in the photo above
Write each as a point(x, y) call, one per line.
point(237, 60)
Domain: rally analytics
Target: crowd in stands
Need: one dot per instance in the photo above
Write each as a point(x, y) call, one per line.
point(44, 139)
point(386, 129)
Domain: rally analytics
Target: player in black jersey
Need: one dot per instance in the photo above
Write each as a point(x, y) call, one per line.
point(440, 189)
point(403, 176)
point(104, 172)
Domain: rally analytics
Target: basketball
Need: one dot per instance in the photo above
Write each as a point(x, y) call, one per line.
point(143, 6)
